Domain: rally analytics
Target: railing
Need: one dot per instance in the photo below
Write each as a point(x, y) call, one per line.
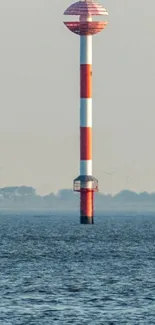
point(79, 186)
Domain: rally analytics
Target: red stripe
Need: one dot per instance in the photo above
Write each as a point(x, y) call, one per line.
point(86, 203)
point(86, 80)
point(85, 143)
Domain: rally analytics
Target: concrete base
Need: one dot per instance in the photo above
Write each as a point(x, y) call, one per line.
point(87, 220)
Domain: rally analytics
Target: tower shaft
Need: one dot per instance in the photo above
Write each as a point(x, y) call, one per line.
point(86, 194)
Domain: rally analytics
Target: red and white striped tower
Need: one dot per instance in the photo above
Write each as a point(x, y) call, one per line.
point(86, 184)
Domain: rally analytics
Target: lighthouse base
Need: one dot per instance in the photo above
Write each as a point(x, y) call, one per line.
point(87, 220)
point(86, 185)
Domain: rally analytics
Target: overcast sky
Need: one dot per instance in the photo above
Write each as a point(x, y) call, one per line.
point(39, 97)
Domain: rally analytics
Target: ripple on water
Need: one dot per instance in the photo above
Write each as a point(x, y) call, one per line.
point(56, 272)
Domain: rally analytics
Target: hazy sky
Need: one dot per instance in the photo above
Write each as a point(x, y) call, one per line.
point(39, 97)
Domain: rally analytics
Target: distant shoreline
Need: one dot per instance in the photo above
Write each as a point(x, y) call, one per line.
point(25, 198)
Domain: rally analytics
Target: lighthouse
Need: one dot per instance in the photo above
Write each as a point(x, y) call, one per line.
point(86, 27)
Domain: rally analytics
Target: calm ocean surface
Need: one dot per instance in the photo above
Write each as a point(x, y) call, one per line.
point(55, 271)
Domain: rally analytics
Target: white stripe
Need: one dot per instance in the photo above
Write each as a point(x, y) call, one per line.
point(85, 167)
point(86, 49)
point(88, 184)
point(86, 112)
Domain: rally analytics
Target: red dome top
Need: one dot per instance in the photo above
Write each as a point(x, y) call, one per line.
point(85, 8)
